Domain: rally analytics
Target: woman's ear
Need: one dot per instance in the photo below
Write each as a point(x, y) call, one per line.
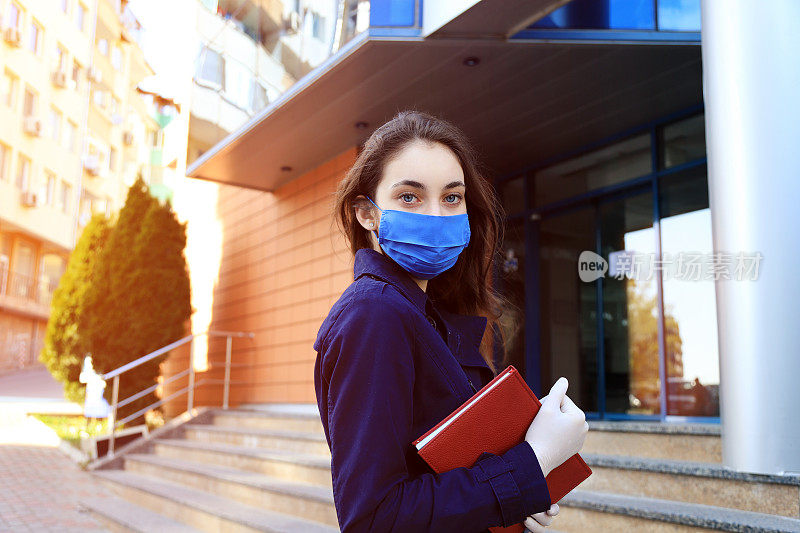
point(366, 214)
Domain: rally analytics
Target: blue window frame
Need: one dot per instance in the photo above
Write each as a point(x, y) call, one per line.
point(665, 168)
point(619, 20)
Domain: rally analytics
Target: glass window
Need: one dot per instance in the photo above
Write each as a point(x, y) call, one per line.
point(679, 15)
point(512, 282)
point(102, 45)
point(512, 195)
point(69, 136)
point(318, 26)
point(5, 158)
point(14, 15)
point(395, 13)
point(116, 57)
point(568, 306)
point(601, 14)
point(23, 172)
point(613, 164)
point(66, 190)
point(60, 58)
point(53, 267)
point(24, 259)
point(76, 73)
point(55, 124)
point(50, 190)
point(683, 141)
point(29, 105)
point(9, 88)
point(689, 295)
point(237, 83)
point(211, 67)
point(34, 37)
point(65, 6)
point(80, 16)
point(258, 96)
point(630, 317)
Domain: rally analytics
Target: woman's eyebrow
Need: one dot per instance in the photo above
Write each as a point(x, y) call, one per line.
point(418, 185)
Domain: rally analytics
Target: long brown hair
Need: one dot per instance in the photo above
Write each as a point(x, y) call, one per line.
point(466, 288)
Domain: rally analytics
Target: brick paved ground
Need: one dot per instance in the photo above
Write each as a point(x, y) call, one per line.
point(40, 486)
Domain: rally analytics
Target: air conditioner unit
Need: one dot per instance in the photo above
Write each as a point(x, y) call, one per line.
point(32, 125)
point(11, 35)
point(127, 137)
point(95, 75)
point(292, 24)
point(92, 165)
point(28, 199)
point(59, 79)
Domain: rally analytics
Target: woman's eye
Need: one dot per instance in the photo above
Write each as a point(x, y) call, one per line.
point(456, 196)
point(406, 195)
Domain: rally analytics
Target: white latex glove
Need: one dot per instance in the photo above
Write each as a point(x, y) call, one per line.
point(536, 523)
point(559, 429)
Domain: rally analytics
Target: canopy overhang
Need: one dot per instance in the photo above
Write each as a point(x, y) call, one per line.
point(525, 100)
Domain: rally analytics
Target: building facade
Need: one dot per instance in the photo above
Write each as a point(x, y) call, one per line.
point(592, 117)
point(74, 133)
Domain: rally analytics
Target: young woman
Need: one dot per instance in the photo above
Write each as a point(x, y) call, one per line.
point(404, 345)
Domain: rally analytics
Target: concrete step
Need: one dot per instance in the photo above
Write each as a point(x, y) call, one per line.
point(120, 515)
point(269, 419)
point(312, 502)
point(694, 482)
point(681, 442)
point(299, 441)
point(282, 464)
point(584, 511)
point(200, 509)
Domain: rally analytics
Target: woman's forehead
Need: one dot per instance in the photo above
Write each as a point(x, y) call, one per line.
point(424, 166)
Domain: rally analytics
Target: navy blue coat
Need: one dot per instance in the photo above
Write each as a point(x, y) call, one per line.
point(384, 375)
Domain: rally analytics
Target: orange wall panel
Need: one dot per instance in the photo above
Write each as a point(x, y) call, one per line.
point(283, 264)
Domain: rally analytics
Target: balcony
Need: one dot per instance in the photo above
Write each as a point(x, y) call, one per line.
point(24, 294)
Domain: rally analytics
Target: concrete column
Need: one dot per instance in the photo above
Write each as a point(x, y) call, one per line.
point(751, 88)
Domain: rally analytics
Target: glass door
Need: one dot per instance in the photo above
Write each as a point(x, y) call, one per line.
point(602, 335)
point(567, 306)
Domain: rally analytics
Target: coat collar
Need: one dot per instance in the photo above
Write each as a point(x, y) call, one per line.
point(369, 261)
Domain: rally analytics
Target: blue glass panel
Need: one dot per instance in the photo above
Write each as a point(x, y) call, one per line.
point(679, 15)
point(391, 12)
point(602, 14)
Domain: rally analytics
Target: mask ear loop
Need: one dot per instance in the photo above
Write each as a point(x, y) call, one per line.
point(379, 209)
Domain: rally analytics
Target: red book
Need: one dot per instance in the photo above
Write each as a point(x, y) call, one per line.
point(495, 419)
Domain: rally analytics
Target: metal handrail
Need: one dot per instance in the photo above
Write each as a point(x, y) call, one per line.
point(117, 372)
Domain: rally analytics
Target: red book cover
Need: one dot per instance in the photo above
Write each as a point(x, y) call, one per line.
point(495, 419)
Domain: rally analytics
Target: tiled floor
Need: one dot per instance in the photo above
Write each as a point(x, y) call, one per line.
point(39, 484)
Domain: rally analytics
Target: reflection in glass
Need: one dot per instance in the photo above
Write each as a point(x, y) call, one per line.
point(679, 15)
point(601, 15)
point(568, 307)
point(689, 298)
point(249, 52)
point(512, 286)
point(630, 313)
point(683, 141)
point(621, 161)
point(512, 195)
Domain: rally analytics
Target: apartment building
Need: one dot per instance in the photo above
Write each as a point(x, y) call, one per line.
point(250, 52)
point(74, 133)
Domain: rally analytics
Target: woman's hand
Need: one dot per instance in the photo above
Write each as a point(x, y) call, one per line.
point(559, 429)
point(536, 523)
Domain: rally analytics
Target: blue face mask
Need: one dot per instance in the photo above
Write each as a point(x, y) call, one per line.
point(424, 245)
